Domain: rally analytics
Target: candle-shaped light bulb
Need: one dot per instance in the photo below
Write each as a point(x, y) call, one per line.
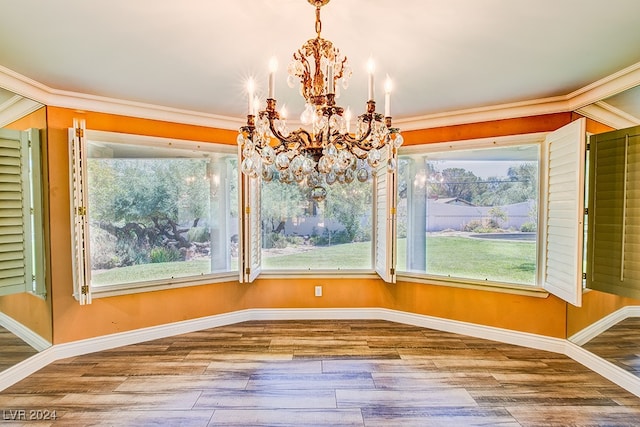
point(330, 81)
point(387, 97)
point(250, 89)
point(256, 105)
point(347, 118)
point(273, 67)
point(283, 113)
point(371, 68)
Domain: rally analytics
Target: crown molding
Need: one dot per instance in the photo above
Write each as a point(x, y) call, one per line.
point(16, 107)
point(594, 92)
point(608, 115)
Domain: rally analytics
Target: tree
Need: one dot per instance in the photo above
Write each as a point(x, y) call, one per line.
point(281, 201)
point(519, 186)
point(147, 203)
point(348, 204)
point(461, 183)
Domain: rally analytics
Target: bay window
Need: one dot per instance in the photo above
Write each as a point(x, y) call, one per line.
point(504, 212)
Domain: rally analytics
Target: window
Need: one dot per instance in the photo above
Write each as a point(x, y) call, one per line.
point(478, 205)
point(22, 265)
point(155, 211)
point(300, 233)
point(283, 229)
point(507, 210)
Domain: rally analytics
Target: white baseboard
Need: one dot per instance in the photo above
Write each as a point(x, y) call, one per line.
point(613, 373)
point(596, 328)
point(24, 333)
point(556, 345)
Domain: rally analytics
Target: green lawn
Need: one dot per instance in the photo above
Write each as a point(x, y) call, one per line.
point(347, 256)
point(461, 257)
point(492, 260)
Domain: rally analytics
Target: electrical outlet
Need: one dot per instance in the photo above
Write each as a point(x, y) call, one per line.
point(318, 291)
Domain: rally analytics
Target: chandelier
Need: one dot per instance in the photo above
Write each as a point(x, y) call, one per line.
point(328, 153)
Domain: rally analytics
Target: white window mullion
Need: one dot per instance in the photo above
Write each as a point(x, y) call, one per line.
point(80, 238)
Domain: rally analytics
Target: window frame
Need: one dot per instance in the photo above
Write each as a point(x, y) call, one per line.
point(539, 289)
point(81, 251)
point(384, 223)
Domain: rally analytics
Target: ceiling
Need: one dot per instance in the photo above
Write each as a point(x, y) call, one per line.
point(196, 55)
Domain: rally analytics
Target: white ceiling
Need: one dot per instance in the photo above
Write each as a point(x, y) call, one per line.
point(443, 55)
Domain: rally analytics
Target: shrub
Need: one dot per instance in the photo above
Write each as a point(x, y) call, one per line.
point(528, 227)
point(103, 249)
point(198, 234)
point(159, 254)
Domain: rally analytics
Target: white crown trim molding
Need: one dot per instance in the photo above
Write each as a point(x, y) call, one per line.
point(556, 345)
point(587, 334)
point(16, 107)
point(596, 91)
point(24, 333)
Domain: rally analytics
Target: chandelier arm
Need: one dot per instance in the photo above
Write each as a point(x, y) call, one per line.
point(300, 137)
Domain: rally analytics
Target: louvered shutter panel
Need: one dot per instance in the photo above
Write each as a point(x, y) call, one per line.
point(80, 238)
point(562, 270)
point(613, 255)
point(385, 218)
point(14, 226)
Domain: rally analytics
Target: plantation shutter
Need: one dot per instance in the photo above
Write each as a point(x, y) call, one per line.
point(613, 255)
point(385, 217)
point(562, 273)
point(80, 227)
point(250, 229)
point(15, 236)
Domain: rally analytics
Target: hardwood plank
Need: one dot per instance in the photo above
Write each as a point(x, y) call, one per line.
point(267, 366)
point(185, 418)
point(310, 381)
point(288, 417)
point(175, 383)
point(431, 380)
point(274, 399)
point(364, 398)
point(422, 417)
point(376, 365)
point(550, 415)
point(116, 402)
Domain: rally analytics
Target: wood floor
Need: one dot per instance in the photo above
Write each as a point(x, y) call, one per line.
point(620, 345)
point(332, 373)
point(13, 350)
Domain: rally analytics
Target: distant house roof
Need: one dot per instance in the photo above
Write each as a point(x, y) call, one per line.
point(453, 201)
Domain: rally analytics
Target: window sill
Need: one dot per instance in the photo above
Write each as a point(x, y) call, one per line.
point(507, 288)
point(160, 285)
point(318, 274)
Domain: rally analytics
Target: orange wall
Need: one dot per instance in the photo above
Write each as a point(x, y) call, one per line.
point(128, 312)
point(27, 309)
